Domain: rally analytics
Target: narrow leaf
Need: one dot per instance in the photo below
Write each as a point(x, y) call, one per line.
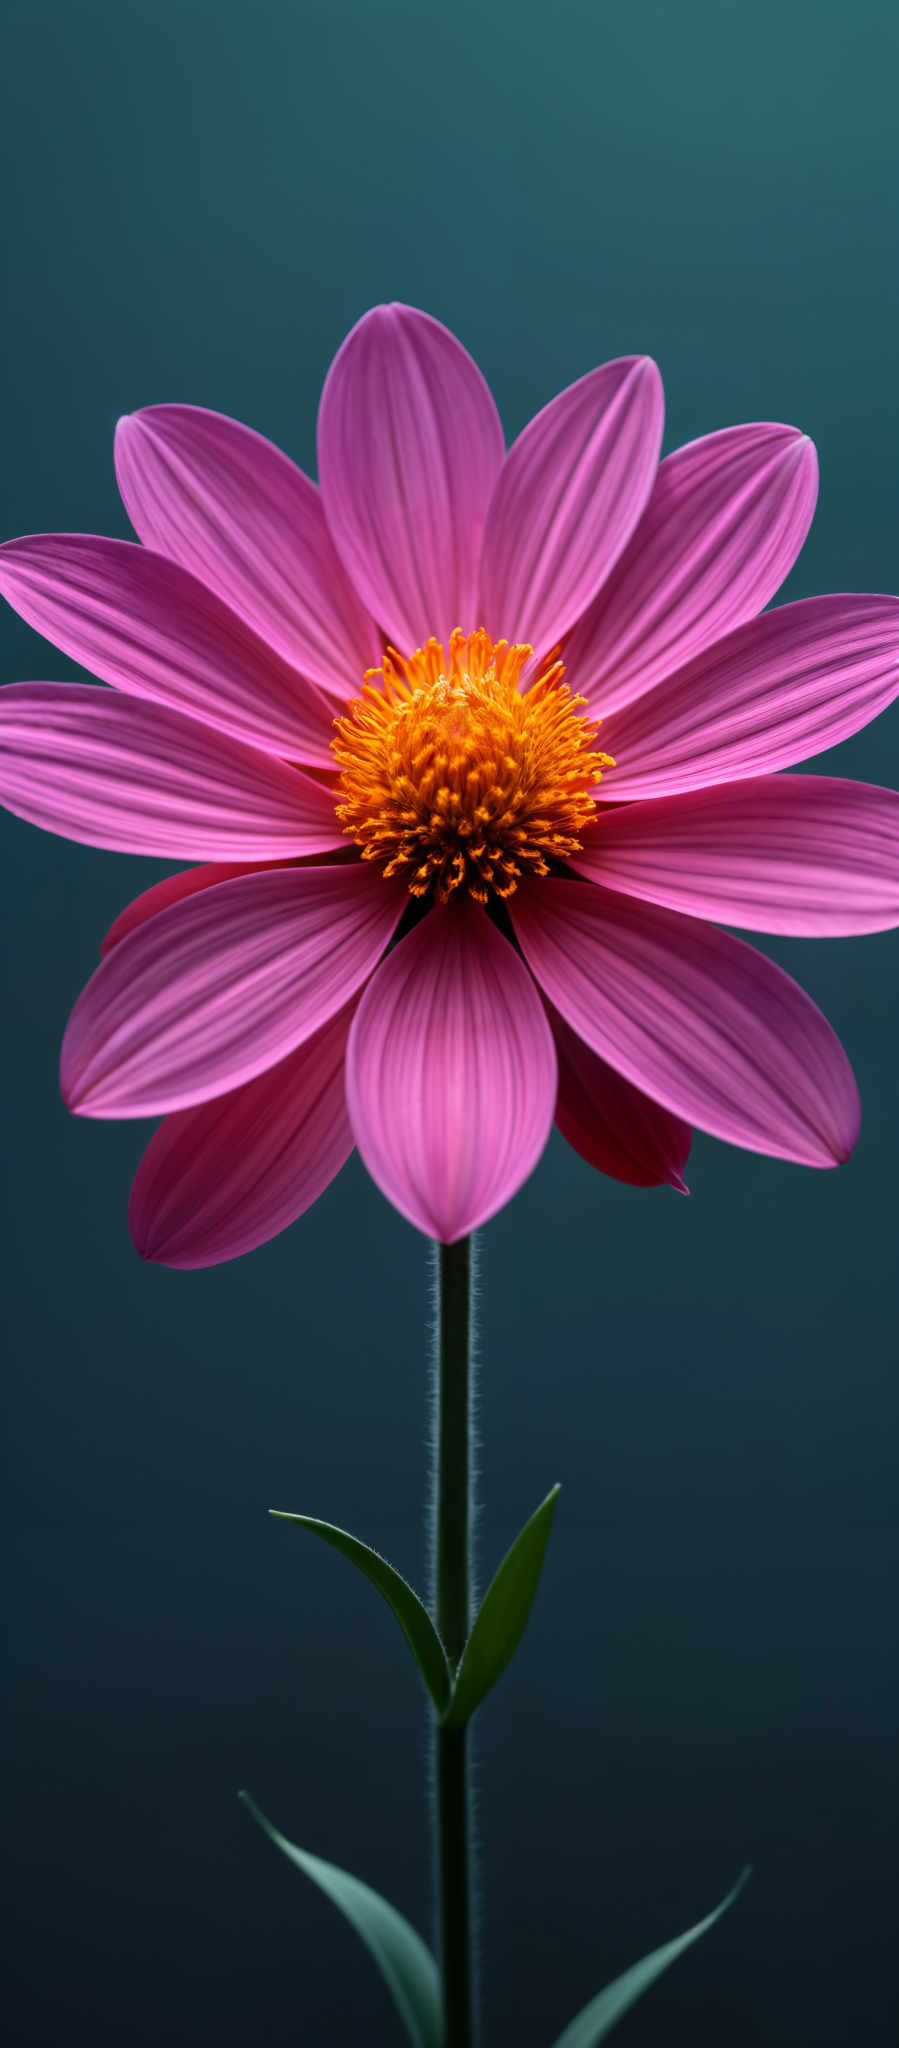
point(500, 1623)
point(407, 1966)
point(599, 2017)
point(413, 1617)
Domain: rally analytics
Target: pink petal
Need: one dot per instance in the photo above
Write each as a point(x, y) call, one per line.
point(697, 1019)
point(173, 889)
point(219, 1180)
point(724, 525)
point(409, 448)
point(229, 506)
point(780, 688)
point(148, 626)
point(220, 986)
point(806, 854)
point(571, 491)
point(451, 1073)
point(122, 772)
point(613, 1125)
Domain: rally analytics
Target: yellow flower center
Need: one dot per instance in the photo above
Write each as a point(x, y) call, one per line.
point(455, 778)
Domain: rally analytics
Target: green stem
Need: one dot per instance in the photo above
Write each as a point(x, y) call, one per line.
point(453, 1585)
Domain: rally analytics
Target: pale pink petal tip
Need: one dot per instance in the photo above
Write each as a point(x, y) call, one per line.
point(695, 1018)
point(777, 690)
point(570, 494)
point(806, 854)
point(218, 1180)
point(451, 1073)
point(140, 621)
point(409, 448)
point(226, 504)
point(725, 522)
point(221, 985)
point(117, 771)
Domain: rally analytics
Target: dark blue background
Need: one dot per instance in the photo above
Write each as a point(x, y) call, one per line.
point(202, 197)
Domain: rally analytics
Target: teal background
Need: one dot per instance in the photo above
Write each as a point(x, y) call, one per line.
point(199, 199)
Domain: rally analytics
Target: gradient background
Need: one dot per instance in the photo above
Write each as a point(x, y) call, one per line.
point(202, 198)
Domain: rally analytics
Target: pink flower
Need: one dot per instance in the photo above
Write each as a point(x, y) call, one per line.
point(443, 906)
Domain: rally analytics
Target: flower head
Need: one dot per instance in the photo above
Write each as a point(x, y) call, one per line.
point(479, 749)
point(456, 777)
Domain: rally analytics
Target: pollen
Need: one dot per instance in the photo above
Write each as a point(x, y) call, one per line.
point(453, 777)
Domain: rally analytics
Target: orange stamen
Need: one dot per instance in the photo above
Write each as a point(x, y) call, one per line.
point(455, 778)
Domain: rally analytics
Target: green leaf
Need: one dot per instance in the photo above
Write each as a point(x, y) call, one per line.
point(500, 1622)
point(413, 1617)
point(599, 2017)
point(407, 1966)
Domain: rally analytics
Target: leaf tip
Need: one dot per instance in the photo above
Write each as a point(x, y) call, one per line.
point(246, 1799)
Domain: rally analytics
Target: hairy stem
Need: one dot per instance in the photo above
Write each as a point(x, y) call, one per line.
point(453, 1589)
